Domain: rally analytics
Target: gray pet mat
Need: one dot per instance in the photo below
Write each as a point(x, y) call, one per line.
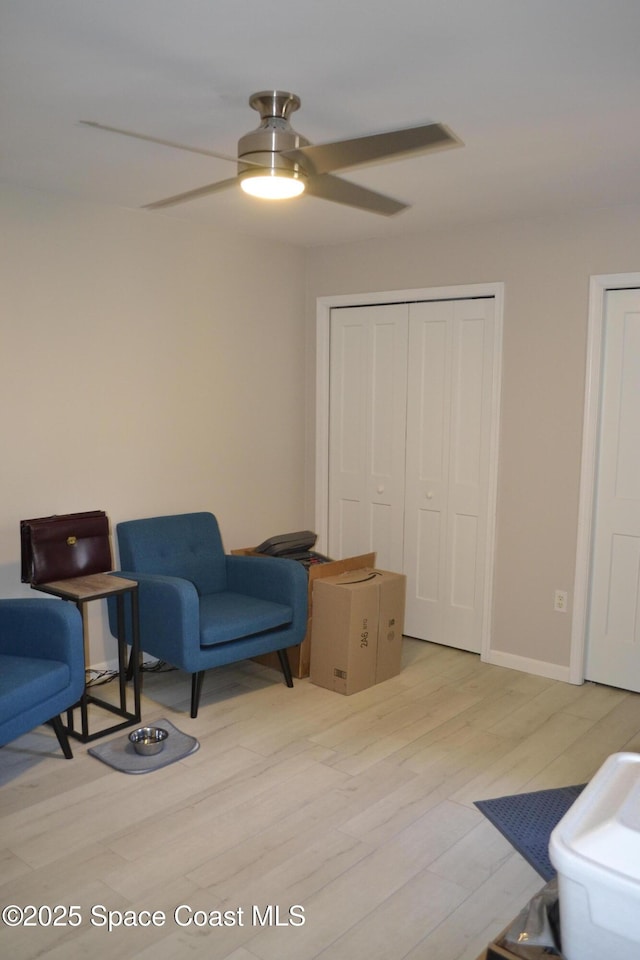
point(121, 755)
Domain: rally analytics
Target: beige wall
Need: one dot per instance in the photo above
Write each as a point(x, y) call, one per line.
point(545, 266)
point(148, 366)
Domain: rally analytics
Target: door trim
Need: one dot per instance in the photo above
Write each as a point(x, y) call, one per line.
point(324, 305)
point(598, 287)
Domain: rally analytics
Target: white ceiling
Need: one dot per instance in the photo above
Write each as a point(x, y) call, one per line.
point(543, 93)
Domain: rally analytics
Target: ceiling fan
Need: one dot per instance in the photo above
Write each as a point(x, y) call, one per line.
point(275, 162)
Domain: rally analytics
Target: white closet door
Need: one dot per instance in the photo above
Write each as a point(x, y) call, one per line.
point(447, 469)
point(368, 388)
point(613, 631)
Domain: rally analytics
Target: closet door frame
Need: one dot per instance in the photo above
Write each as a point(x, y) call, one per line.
point(324, 305)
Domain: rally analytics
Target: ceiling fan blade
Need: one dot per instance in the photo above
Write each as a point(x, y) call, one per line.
point(326, 157)
point(164, 143)
point(327, 187)
point(192, 194)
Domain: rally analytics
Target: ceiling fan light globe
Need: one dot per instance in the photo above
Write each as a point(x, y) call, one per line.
point(273, 186)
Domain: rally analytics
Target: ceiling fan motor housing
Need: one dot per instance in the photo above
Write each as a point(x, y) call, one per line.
point(274, 136)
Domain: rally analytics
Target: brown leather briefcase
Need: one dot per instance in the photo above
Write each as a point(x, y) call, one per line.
point(64, 546)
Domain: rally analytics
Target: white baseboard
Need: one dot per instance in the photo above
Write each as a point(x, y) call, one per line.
point(541, 668)
point(112, 665)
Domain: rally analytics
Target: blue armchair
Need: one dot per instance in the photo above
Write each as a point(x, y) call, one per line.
point(200, 608)
point(41, 666)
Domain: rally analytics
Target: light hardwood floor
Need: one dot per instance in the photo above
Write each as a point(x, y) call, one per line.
point(359, 809)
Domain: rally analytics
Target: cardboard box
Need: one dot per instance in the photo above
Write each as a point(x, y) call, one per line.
point(300, 655)
point(356, 633)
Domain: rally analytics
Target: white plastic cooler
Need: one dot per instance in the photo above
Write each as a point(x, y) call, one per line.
point(596, 851)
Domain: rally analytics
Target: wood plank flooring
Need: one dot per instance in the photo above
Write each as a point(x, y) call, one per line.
point(358, 809)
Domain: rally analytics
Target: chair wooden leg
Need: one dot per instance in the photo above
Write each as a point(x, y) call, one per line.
point(283, 657)
point(196, 690)
point(63, 739)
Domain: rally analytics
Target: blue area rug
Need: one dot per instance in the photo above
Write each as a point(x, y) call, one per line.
point(527, 819)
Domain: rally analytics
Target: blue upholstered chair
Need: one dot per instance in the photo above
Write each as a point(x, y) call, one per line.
point(41, 666)
point(200, 608)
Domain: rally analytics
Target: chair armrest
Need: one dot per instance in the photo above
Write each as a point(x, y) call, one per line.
point(169, 610)
point(48, 629)
point(270, 578)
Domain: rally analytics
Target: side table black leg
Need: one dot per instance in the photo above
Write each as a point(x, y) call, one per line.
point(84, 709)
point(134, 662)
point(122, 668)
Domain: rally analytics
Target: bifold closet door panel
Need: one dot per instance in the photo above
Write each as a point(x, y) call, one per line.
point(367, 417)
point(447, 469)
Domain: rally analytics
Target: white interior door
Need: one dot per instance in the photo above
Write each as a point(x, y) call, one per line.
point(449, 420)
point(613, 627)
point(367, 410)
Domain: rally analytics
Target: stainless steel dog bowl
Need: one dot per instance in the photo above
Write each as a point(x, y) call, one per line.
point(148, 740)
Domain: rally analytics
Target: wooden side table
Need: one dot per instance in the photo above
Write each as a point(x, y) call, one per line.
point(98, 586)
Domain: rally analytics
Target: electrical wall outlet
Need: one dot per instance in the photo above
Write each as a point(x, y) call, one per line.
point(560, 601)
